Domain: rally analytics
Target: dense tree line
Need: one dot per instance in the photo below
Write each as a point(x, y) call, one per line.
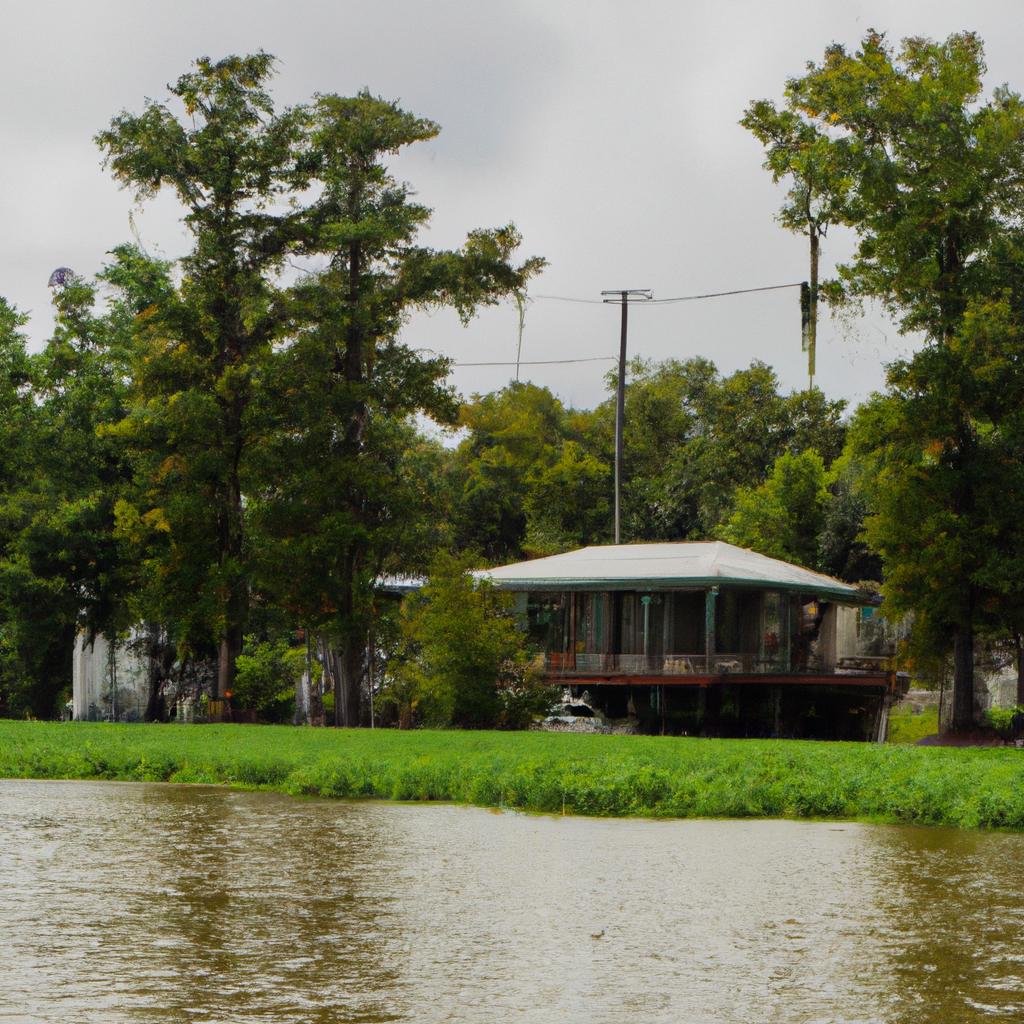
point(221, 441)
point(228, 445)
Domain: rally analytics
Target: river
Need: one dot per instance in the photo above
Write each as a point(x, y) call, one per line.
point(156, 903)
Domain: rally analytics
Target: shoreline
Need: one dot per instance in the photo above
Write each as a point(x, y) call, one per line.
point(546, 773)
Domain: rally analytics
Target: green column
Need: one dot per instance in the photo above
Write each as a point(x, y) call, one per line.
point(710, 597)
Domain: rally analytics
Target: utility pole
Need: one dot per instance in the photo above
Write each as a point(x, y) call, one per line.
point(624, 297)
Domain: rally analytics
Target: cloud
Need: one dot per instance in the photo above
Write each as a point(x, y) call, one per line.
point(608, 135)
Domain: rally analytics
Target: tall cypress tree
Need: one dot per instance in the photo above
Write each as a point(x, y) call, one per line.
point(233, 163)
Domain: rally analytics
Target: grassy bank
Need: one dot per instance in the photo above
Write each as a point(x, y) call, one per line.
point(599, 775)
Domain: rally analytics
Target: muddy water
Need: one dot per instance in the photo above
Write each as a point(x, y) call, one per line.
point(158, 903)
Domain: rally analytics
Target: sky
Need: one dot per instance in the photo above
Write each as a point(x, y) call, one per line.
point(606, 132)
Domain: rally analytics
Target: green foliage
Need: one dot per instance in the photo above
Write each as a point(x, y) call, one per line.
point(534, 478)
point(799, 151)
point(463, 650)
point(783, 517)
point(268, 672)
point(843, 551)
point(649, 776)
point(270, 426)
point(348, 490)
point(523, 479)
point(200, 348)
point(693, 437)
point(63, 474)
point(1006, 721)
point(928, 176)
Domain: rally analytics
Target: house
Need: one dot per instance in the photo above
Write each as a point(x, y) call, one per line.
point(705, 638)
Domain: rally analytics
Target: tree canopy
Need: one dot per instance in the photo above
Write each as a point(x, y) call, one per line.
point(928, 175)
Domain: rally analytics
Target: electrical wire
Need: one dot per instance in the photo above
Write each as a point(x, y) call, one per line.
point(567, 298)
point(674, 298)
point(606, 302)
point(735, 291)
point(544, 362)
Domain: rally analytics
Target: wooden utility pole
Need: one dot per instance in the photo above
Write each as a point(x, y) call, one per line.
point(624, 297)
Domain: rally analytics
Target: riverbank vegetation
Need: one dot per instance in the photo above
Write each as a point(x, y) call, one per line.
point(552, 773)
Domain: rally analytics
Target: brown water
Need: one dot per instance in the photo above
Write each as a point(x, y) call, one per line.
point(128, 902)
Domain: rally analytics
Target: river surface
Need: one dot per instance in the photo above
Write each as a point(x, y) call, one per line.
point(156, 903)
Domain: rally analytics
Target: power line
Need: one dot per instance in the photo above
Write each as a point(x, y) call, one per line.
point(568, 298)
point(735, 291)
point(675, 298)
point(603, 302)
point(544, 362)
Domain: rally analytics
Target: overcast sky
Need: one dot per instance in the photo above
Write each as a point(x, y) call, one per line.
point(606, 131)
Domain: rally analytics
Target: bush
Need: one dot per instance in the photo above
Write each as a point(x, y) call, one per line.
point(523, 696)
point(267, 674)
point(1006, 721)
point(462, 658)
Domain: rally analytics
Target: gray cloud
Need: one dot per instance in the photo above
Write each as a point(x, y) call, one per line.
point(608, 135)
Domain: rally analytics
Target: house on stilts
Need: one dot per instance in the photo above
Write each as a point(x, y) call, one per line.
point(705, 638)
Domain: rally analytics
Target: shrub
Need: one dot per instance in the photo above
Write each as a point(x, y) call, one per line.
point(267, 673)
point(462, 659)
point(1006, 721)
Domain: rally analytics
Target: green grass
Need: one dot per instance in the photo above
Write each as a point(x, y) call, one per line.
point(578, 774)
point(906, 727)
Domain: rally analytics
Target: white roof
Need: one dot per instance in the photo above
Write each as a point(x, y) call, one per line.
point(681, 564)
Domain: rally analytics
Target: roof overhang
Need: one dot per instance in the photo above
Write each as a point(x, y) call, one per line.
point(687, 565)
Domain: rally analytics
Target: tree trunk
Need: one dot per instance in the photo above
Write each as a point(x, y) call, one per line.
point(230, 648)
point(348, 684)
point(304, 689)
point(155, 711)
point(963, 679)
point(309, 695)
point(231, 543)
point(1018, 641)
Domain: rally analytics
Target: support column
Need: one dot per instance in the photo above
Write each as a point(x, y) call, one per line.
point(570, 661)
point(710, 598)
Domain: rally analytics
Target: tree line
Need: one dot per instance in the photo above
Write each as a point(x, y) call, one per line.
point(229, 444)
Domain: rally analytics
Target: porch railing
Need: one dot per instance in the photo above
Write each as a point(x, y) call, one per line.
point(653, 664)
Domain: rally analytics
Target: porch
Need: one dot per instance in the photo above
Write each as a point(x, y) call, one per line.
point(688, 636)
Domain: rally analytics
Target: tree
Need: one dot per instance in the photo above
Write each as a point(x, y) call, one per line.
point(345, 467)
point(844, 552)
point(19, 431)
point(932, 543)
point(693, 437)
point(798, 150)
point(566, 502)
point(783, 517)
point(268, 671)
point(930, 179)
point(231, 161)
point(462, 648)
point(523, 477)
point(62, 565)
